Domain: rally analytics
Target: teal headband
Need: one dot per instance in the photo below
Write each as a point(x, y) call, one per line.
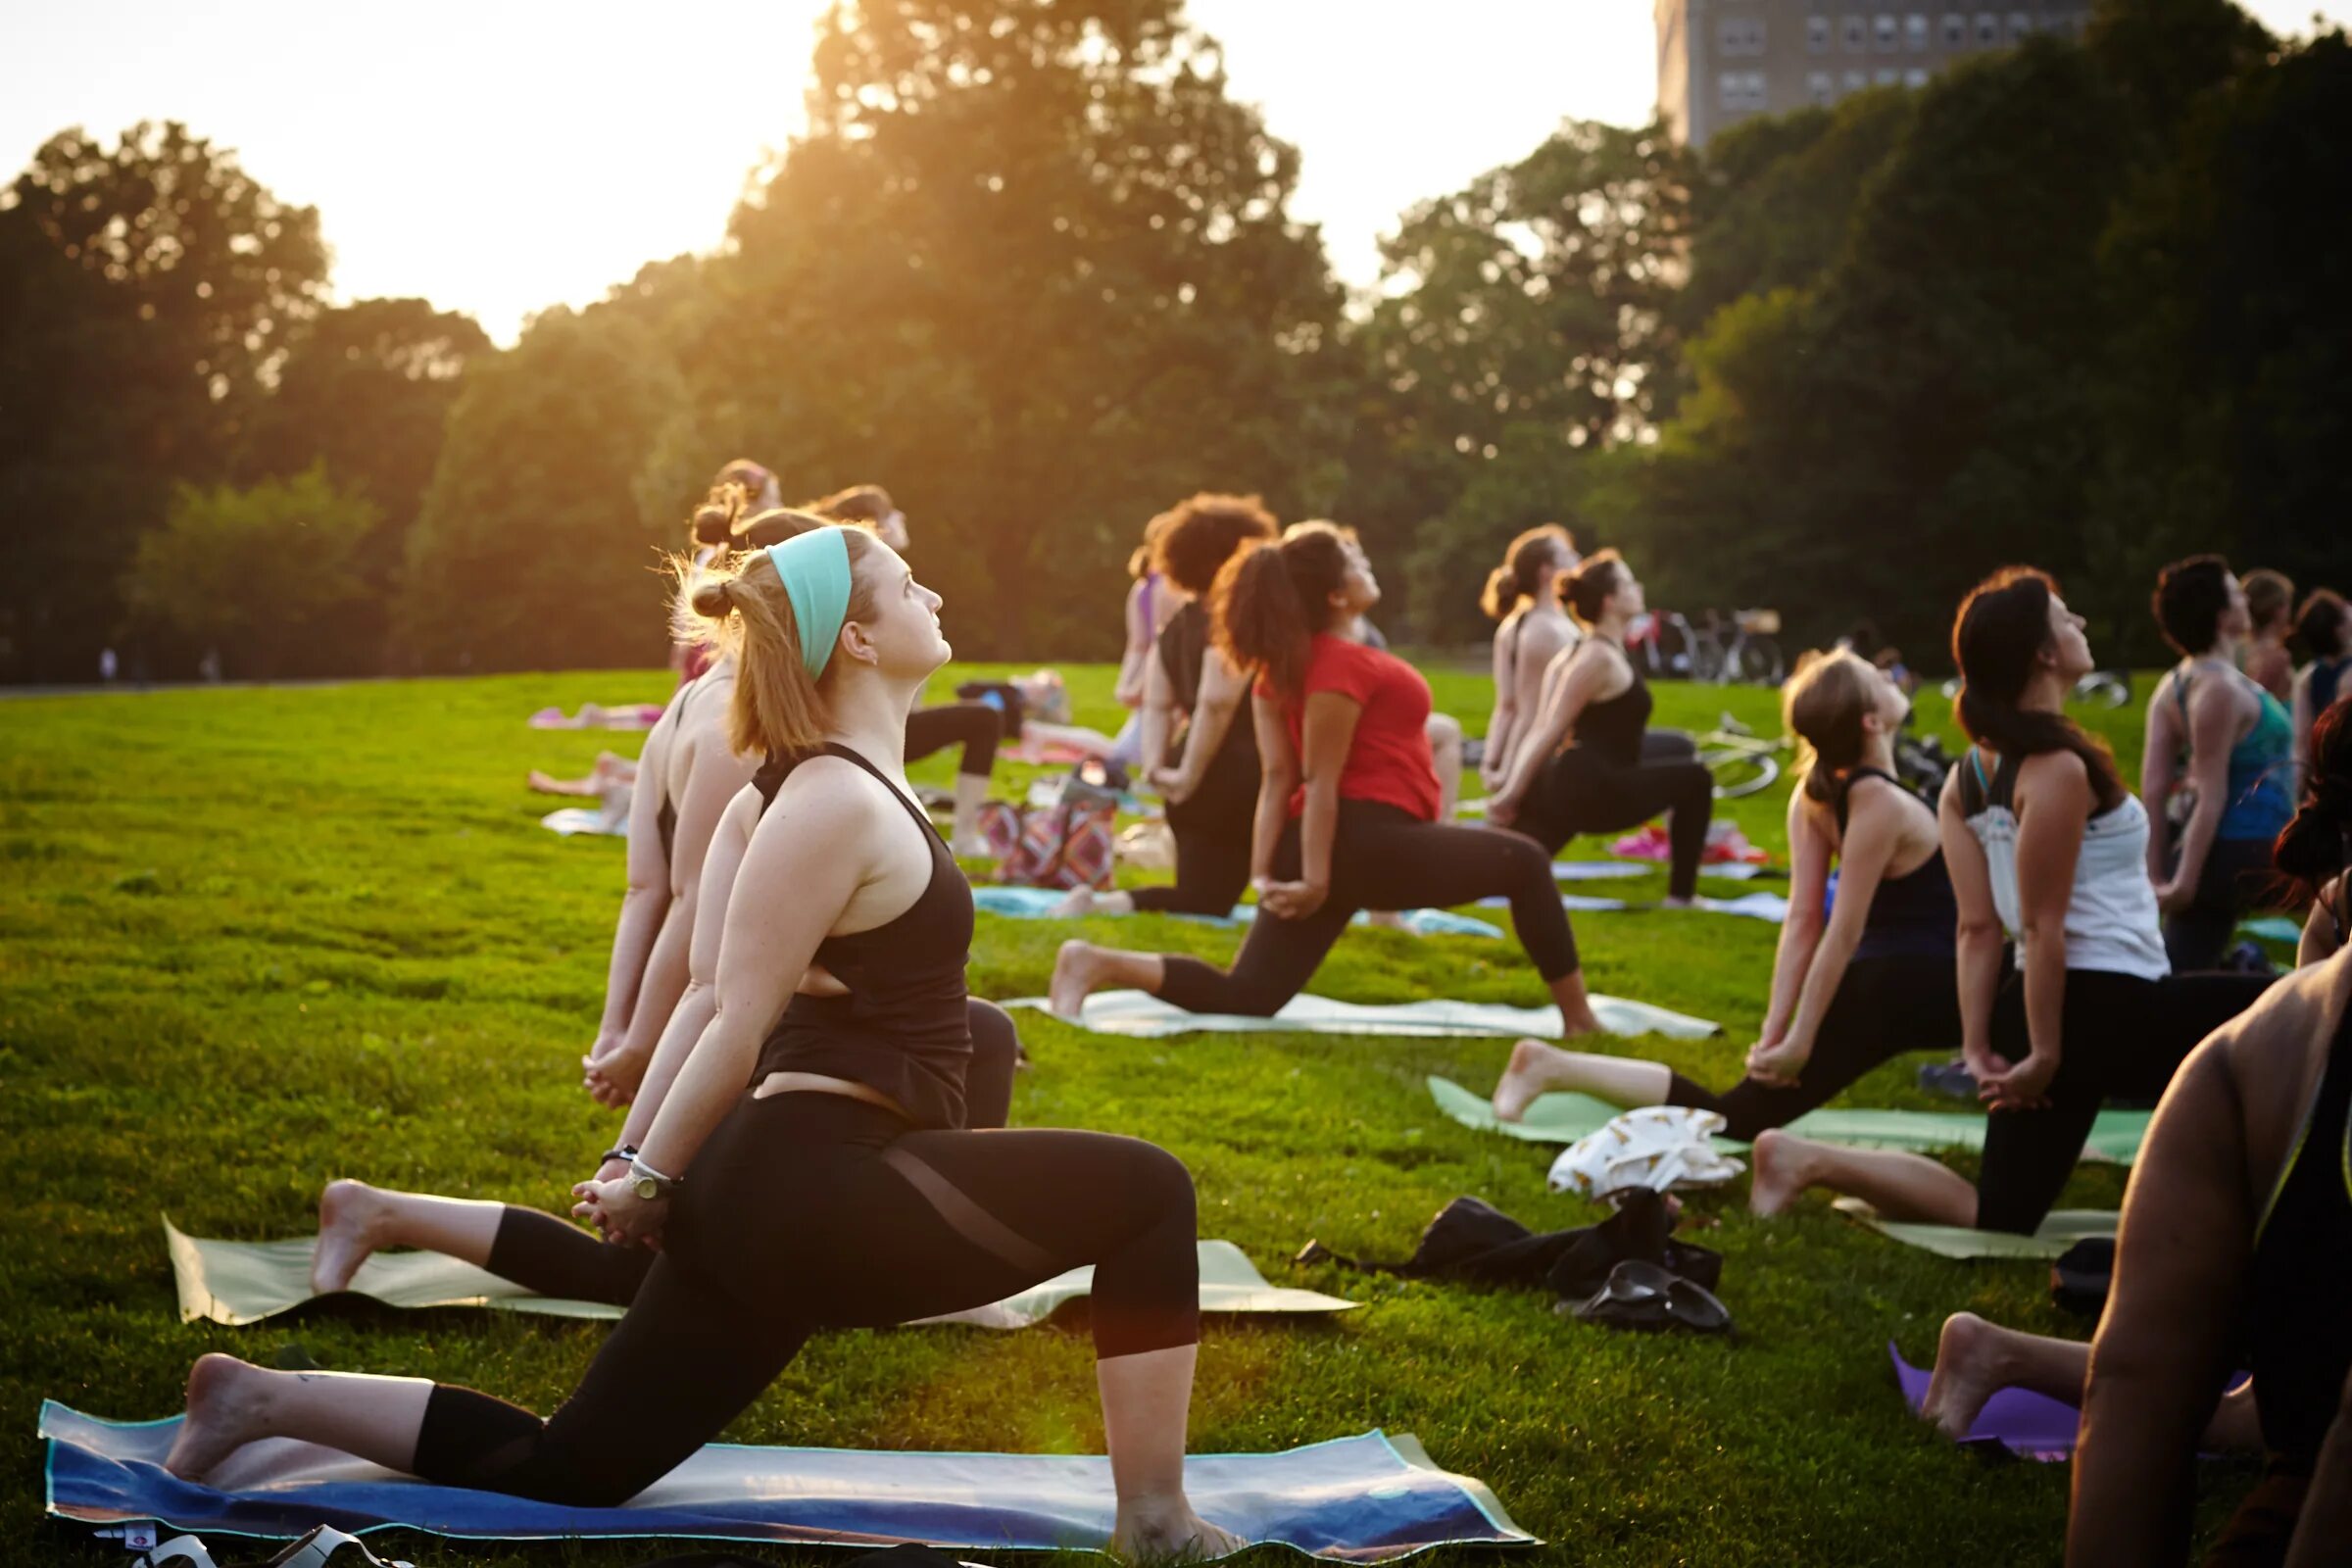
point(815, 570)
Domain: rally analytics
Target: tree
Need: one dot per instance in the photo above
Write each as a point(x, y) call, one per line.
point(1032, 270)
point(263, 575)
point(366, 388)
point(148, 290)
point(530, 552)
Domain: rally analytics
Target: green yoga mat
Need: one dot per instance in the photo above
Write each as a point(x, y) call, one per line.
point(2062, 1230)
point(2115, 1137)
point(244, 1282)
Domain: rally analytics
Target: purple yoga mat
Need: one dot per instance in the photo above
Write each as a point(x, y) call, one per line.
point(2030, 1425)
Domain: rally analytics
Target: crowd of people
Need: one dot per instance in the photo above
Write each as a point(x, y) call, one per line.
point(786, 1008)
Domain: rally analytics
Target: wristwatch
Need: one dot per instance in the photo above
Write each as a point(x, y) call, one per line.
point(650, 1184)
point(624, 1153)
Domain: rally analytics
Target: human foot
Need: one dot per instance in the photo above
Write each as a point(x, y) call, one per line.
point(1075, 968)
point(1523, 1080)
point(1170, 1533)
point(1674, 901)
point(349, 1213)
point(1080, 900)
point(1779, 1172)
point(225, 1413)
point(1972, 1364)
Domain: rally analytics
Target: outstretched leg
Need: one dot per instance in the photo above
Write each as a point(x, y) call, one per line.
point(1900, 1185)
point(1537, 1068)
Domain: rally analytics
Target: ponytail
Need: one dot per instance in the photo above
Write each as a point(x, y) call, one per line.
point(1270, 599)
point(779, 709)
point(1823, 706)
point(2317, 845)
point(2002, 627)
point(1514, 582)
point(1598, 576)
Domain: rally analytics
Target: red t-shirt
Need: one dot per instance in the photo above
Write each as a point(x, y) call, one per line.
point(1388, 761)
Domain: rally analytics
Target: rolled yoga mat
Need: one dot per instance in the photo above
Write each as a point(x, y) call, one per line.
point(2061, 1230)
point(1563, 1118)
point(1143, 1017)
point(244, 1282)
point(1366, 1500)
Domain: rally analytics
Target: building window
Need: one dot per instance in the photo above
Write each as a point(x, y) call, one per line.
point(1955, 31)
point(1819, 87)
point(1988, 30)
point(1817, 35)
point(1856, 80)
point(1915, 31)
point(1740, 35)
point(1889, 76)
point(1887, 27)
point(1916, 76)
point(2020, 26)
point(1857, 35)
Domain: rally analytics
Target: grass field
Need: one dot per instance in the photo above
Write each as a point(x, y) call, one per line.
point(253, 940)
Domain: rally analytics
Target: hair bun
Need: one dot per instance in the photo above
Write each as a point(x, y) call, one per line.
point(715, 599)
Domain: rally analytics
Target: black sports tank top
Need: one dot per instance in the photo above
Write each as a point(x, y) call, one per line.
point(1911, 915)
point(2298, 1330)
point(1613, 729)
point(1183, 653)
point(903, 1027)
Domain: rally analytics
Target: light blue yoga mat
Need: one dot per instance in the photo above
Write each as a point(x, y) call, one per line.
point(1369, 1499)
point(1035, 903)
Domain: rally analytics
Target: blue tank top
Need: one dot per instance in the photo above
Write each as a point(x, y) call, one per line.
point(2257, 805)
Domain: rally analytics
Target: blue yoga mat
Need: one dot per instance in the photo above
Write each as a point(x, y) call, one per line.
point(1035, 903)
point(1369, 1498)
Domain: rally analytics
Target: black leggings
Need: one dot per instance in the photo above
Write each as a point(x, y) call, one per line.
point(1581, 791)
point(1382, 858)
point(1883, 1008)
point(975, 726)
point(1212, 847)
point(558, 1260)
point(2124, 1037)
point(2231, 883)
point(807, 1211)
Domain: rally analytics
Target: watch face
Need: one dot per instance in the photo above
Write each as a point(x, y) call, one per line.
point(647, 1188)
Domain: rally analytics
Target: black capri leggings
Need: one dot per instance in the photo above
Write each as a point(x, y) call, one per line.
point(2231, 884)
point(975, 726)
point(1382, 858)
point(2124, 1037)
point(558, 1260)
point(1580, 791)
point(807, 1211)
point(1212, 845)
point(1883, 1008)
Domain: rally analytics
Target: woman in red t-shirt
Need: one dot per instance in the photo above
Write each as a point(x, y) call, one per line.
point(1348, 799)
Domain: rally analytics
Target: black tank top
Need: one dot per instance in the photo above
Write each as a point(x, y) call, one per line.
point(1911, 915)
point(1184, 652)
point(903, 1027)
point(1613, 729)
point(668, 821)
point(2298, 1327)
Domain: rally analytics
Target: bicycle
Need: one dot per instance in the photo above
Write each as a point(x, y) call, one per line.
point(1742, 762)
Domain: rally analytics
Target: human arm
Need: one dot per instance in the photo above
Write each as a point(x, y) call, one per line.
point(1873, 832)
point(647, 897)
point(1132, 662)
point(2053, 803)
point(806, 862)
point(1569, 684)
point(2162, 1350)
point(1158, 721)
point(1800, 932)
point(2302, 719)
point(1978, 936)
point(1223, 689)
point(1326, 732)
point(2158, 776)
point(1493, 766)
point(2212, 727)
point(1277, 780)
point(718, 776)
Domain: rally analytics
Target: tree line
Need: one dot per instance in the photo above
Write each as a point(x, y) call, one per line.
point(1033, 267)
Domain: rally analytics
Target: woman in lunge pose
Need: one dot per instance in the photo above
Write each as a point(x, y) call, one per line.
point(2237, 742)
point(848, 1164)
point(1867, 982)
point(1601, 783)
point(1346, 803)
point(2043, 841)
point(1199, 747)
point(1523, 594)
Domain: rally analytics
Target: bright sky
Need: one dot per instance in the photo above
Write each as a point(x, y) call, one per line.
point(500, 156)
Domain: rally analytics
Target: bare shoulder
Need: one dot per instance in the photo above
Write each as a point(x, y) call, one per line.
point(2059, 773)
point(826, 794)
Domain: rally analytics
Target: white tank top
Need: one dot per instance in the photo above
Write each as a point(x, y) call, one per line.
point(2112, 922)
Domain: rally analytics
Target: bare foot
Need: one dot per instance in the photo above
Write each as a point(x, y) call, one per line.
point(1582, 1021)
point(1081, 901)
point(348, 1212)
point(1972, 1365)
point(1670, 902)
point(1149, 1533)
point(1075, 967)
point(223, 1415)
point(1779, 1172)
point(1523, 1080)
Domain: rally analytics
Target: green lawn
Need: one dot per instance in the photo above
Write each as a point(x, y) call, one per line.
point(253, 940)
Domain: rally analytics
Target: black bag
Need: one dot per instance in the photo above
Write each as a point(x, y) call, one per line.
point(1473, 1240)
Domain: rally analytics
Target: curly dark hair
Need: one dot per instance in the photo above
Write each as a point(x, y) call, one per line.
point(2191, 596)
point(1270, 599)
point(1194, 538)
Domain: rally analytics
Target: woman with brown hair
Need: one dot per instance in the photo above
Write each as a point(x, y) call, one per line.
point(1523, 598)
point(1348, 799)
point(845, 1189)
point(1859, 985)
